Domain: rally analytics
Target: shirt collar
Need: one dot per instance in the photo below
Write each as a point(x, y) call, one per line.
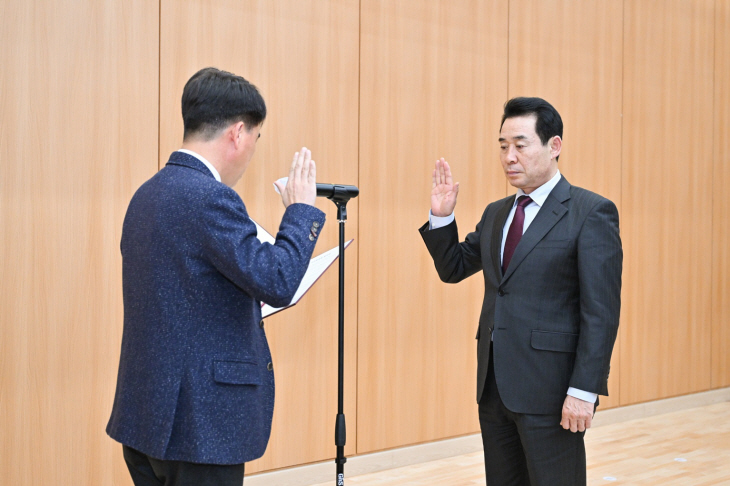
point(202, 159)
point(540, 194)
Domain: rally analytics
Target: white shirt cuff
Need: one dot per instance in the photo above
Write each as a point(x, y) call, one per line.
point(435, 222)
point(582, 395)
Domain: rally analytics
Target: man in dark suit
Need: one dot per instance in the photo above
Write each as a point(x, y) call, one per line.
point(551, 259)
point(195, 391)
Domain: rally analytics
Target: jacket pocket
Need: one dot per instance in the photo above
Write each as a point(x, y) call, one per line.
point(236, 373)
point(563, 342)
point(553, 244)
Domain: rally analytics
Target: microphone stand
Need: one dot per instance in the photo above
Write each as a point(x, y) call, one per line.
point(340, 196)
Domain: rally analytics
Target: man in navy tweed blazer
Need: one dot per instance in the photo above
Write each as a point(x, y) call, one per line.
point(195, 391)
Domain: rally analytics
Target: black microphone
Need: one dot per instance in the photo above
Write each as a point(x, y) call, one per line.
point(337, 192)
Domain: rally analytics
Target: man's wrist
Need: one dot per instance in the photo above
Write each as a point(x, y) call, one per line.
point(582, 395)
point(439, 221)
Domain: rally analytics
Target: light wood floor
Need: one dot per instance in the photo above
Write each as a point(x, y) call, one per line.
point(688, 448)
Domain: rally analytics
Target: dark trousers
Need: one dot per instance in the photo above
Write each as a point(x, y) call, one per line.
point(148, 471)
point(527, 450)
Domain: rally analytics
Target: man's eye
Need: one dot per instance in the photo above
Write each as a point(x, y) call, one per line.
point(520, 146)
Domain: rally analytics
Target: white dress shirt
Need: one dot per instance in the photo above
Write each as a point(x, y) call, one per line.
point(202, 159)
point(538, 197)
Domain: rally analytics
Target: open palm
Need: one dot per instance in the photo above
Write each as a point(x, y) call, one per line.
point(444, 191)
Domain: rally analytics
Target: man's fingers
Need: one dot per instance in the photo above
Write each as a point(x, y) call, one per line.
point(570, 423)
point(307, 165)
point(574, 423)
point(300, 161)
point(302, 179)
point(297, 164)
point(300, 164)
point(577, 414)
point(447, 173)
point(565, 423)
point(312, 176)
point(294, 162)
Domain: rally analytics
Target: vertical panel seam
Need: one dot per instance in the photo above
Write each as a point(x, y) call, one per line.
point(509, 40)
point(357, 280)
point(621, 160)
point(715, 122)
point(159, 78)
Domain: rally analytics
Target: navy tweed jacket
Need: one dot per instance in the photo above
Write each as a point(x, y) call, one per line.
point(195, 379)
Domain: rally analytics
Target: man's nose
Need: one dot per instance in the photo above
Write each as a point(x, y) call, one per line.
point(511, 155)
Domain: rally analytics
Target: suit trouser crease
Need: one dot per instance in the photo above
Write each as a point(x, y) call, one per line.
point(527, 449)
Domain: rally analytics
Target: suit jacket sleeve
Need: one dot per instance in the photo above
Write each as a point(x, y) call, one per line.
point(600, 260)
point(268, 273)
point(454, 261)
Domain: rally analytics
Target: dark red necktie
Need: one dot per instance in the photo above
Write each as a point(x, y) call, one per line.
point(515, 231)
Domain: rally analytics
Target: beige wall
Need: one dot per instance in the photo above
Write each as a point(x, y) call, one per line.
point(667, 216)
point(89, 109)
point(78, 134)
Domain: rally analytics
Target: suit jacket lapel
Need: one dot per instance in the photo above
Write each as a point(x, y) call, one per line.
point(550, 213)
point(496, 239)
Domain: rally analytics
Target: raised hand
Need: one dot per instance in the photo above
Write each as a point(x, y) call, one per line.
point(301, 186)
point(444, 191)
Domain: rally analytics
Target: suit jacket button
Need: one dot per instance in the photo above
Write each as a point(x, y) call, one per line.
point(501, 293)
point(315, 224)
point(311, 237)
point(270, 366)
point(261, 324)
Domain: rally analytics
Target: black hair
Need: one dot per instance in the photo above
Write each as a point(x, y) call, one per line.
point(213, 99)
point(548, 123)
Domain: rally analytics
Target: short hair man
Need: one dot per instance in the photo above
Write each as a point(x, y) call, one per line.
point(551, 259)
point(195, 391)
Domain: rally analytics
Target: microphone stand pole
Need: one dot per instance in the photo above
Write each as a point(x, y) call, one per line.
point(340, 198)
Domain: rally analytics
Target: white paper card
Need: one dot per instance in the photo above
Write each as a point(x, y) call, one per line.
point(317, 266)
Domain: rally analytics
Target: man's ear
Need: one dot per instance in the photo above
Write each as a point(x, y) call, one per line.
point(556, 145)
point(235, 133)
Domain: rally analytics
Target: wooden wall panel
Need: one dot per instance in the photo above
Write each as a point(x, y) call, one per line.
point(303, 57)
point(667, 107)
point(570, 53)
point(78, 134)
point(433, 78)
point(720, 201)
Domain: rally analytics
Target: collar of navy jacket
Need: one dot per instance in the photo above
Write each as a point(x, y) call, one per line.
point(187, 160)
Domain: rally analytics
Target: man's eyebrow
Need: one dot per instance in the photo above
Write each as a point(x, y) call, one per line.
point(518, 137)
